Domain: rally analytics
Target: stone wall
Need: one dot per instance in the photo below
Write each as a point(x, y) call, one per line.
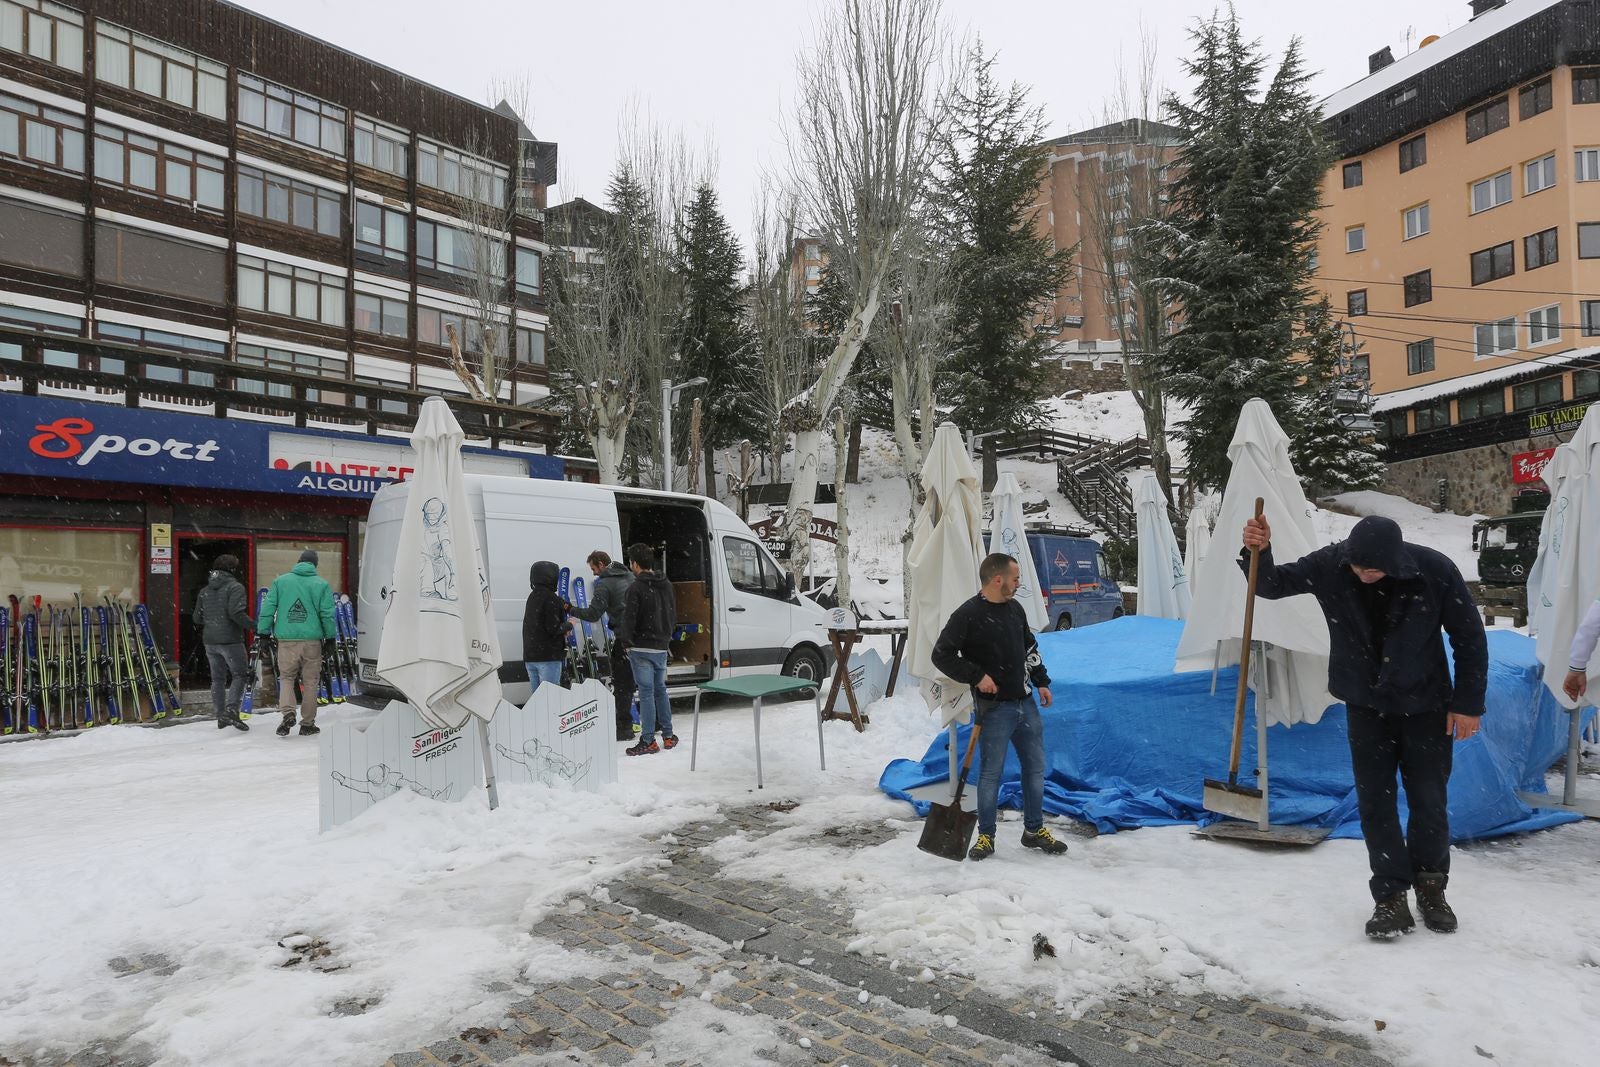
point(1478, 480)
point(1064, 375)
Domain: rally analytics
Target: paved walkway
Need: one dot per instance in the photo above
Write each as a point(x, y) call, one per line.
point(782, 957)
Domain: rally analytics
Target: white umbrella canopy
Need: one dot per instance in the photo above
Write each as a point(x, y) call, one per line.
point(1566, 574)
point(1297, 664)
point(1197, 542)
point(942, 566)
point(439, 646)
point(1008, 535)
point(1163, 582)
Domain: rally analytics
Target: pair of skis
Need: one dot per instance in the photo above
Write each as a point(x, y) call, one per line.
point(580, 657)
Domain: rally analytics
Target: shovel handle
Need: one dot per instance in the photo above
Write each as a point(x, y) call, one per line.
point(966, 763)
point(1244, 656)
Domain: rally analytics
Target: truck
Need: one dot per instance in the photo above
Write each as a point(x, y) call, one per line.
point(1507, 544)
point(1078, 587)
point(738, 611)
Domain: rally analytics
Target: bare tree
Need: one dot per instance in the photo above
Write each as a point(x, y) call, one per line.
point(777, 319)
point(1124, 194)
point(861, 148)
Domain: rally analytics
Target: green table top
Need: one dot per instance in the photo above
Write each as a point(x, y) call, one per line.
point(751, 686)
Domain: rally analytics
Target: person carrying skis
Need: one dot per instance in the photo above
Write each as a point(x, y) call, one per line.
point(611, 582)
point(649, 617)
point(220, 612)
point(987, 644)
point(544, 626)
point(298, 611)
point(1386, 601)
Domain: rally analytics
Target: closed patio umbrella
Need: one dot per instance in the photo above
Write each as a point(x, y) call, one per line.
point(1007, 534)
point(1163, 583)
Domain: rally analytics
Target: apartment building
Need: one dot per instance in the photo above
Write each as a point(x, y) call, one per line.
point(232, 257)
point(1462, 242)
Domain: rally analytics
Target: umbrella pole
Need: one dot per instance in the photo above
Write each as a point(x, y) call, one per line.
point(1569, 791)
point(488, 765)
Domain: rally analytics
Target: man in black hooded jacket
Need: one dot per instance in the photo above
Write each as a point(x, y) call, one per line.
point(1386, 600)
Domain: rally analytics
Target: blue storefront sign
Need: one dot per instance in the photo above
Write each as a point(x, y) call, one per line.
point(50, 437)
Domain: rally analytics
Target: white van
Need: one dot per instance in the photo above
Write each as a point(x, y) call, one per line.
point(750, 620)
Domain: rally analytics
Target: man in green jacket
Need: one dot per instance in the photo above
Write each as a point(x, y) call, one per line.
point(298, 611)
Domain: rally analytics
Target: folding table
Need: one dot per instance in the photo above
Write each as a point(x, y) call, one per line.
point(756, 687)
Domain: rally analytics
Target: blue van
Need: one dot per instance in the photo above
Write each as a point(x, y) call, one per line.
point(1078, 588)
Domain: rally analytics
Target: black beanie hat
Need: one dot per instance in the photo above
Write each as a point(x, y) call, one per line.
point(309, 556)
point(1375, 542)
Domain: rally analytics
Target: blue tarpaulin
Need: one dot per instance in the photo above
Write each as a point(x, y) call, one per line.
point(1129, 743)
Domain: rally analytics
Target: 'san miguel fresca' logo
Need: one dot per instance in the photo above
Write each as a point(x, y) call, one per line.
point(578, 719)
point(431, 743)
point(70, 439)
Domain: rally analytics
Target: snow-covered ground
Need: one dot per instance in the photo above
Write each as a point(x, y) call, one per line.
point(200, 847)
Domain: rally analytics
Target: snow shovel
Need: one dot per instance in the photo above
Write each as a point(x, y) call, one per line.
point(947, 831)
point(1230, 798)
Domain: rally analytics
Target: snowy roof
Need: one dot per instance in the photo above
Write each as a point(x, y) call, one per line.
point(1404, 398)
point(1456, 41)
point(1126, 130)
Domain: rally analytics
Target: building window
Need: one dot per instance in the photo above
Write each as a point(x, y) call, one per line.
point(382, 147)
point(1544, 325)
point(142, 164)
point(381, 231)
point(42, 30)
point(1536, 394)
point(1538, 175)
point(1491, 192)
point(291, 116)
point(1419, 356)
point(1490, 264)
point(298, 363)
point(455, 251)
point(39, 136)
point(1481, 405)
point(293, 203)
point(1488, 118)
point(461, 173)
point(1494, 338)
point(1403, 96)
point(434, 326)
point(1586, 165)
point(1392, 425)
point(1540, 249)
point(41, 238)
point(1589, 317)
point(1416, 221)
point(1413, 153)
point(1589, 240)
point(1419, 288)
point(141, 260)
point(1585, 383)
point(1434, 416)
point(1586, 85)
point(529, 264)
point(1352, 174)
point(1355, 239)
point(530, 347)
point(1355, 302)
point(298, 292)
point(145, 65)
point(164, 340)
point(63, 563)
point(381, 314)
point(1534, 99)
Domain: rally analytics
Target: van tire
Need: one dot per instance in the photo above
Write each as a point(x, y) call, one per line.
point(1064, 621)
point(804, 662)
point(1117, 613)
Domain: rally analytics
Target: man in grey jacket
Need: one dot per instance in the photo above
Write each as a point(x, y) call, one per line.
point(611, 581)
point(221, 614)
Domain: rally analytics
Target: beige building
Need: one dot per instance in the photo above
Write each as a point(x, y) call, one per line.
point(1463, 241)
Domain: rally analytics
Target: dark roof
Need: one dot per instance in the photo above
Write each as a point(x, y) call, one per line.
point(1128, 130)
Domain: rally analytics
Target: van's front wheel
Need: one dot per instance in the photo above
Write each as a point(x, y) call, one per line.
point(1064, 621)
point(803, 663)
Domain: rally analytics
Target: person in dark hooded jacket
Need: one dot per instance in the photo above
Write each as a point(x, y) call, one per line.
point(611, 582)
point(544, 626)
point(649, 617)
point(220, 612)
point(1386, 601)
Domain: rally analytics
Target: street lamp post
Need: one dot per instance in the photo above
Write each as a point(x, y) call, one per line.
point(669, 397)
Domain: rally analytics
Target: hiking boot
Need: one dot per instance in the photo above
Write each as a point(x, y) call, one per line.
point(1044, 841)
point(1436, 913)
point(286, 725)
point(983, 849)
point(309, 729)
point(670, 741)
point(234, 721)
point(643, 748)
point(1391, 918)
point(624, 733)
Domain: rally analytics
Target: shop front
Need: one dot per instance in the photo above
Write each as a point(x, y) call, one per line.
point(136, 504)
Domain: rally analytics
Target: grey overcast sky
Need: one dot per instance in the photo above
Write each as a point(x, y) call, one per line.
point(722, 70)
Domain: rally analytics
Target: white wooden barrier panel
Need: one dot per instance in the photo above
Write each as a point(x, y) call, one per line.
point(562, 736)
point(363, 762)
point(869, 677)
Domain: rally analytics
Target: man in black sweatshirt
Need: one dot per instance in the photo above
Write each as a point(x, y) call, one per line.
point(611, 583)
point(987, 644)
point(649, 616)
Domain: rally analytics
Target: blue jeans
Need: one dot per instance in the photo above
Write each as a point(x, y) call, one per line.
point(542, 671)
point(1015, 723)
point(650, 674)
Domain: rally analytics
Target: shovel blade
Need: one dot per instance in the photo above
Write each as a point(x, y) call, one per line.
point(947, 832)
point(1239, 801)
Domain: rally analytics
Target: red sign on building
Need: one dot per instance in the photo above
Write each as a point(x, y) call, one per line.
point(1529, 466)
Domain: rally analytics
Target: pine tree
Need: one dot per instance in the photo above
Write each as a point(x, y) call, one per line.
point(1239, 240)
point(1328, 456)
point(1004, 269)
point(713, 337)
